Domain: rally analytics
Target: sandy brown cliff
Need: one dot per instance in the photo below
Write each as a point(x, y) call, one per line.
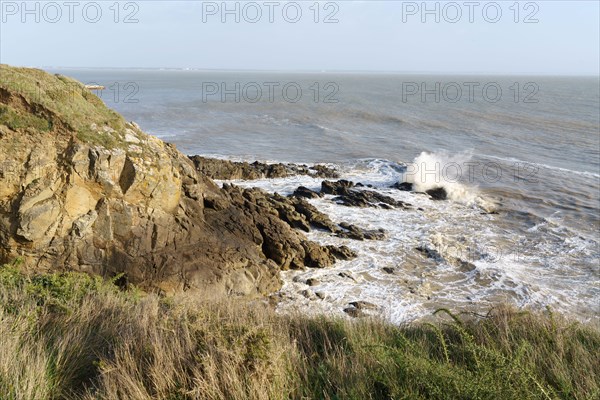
point(82, 189)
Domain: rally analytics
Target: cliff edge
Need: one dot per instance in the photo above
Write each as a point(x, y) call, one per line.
point(83, 189)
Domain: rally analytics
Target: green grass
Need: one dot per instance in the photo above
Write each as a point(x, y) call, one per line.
point(15, 120)
point(72, 336)
point(43, 102)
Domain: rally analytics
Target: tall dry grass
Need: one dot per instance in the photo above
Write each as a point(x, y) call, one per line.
point(71, 336)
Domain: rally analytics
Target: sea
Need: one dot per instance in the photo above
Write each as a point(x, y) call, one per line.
point(519, 157)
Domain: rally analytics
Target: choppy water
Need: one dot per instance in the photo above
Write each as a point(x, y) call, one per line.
point(531, 153)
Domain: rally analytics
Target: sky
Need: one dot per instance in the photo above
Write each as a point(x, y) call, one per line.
point(539, 37)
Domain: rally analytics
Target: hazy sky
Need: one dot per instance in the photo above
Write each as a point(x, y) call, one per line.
point(368, 35)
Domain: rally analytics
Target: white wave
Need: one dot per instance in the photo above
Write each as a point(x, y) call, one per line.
point(480, 263)
point(444, 170)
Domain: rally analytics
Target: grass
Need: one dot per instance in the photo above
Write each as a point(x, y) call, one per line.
point(15, 120)
point(72, 336)
point(59, 103)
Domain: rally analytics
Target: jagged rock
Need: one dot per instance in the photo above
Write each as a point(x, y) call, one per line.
point(348, 196)
point(342, 252)
point(353, 232)
point(323, 171)
point(228, 170)
point(317, 256)
point(437, 193)
point(337, 188)
point(405, 186)
point(315, 218)
point(306, 193)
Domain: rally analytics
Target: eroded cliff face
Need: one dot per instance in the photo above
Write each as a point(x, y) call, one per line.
point(82, 189)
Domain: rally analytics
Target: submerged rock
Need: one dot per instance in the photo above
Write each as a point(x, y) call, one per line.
point(364, 305)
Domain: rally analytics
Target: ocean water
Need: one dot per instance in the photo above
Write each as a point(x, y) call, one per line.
point(525, 147)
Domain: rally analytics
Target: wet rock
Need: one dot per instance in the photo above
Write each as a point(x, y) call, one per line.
point(353, 232)
point(321, 295)
point(465, 266)
point(346, 275)
point(437, 193)
point(429, 252)
point(317, 219)
point(317, 256)
point(314, 217)
point(312, 282)
point(342, 252)
point(323, 171)
point(229, 170)
point(404, 186)
point(364, 305)
point(336, 188)
point(348, 196)
point(354, 312)
point(388, 270)
point(306, 193)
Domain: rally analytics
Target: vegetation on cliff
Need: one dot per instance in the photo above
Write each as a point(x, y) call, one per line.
point(34, 100)
point(72, 336)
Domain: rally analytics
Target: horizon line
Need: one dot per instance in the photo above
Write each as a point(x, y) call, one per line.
point(325, 71)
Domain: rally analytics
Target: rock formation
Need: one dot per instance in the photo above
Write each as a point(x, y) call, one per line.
point(230, 170)
point(82, 189)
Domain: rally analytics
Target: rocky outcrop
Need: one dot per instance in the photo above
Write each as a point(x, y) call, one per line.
point(348, 195)
point(231, 170)
point(404, 186)
point(82, 189)
point(437, 193)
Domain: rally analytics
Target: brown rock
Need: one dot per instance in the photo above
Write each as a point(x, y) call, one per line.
point(229, 170)
point(306, 193)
